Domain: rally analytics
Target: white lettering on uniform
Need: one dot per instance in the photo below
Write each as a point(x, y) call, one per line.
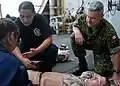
point(37, 32)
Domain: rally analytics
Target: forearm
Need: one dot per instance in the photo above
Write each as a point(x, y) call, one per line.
point(45, 44)
point(17, 53)
point(117, 61)
point(76, 29)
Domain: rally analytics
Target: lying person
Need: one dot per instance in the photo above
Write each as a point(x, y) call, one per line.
point(87, 78)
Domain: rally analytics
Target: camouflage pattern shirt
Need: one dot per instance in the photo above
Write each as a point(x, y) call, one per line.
point(103, 41)
point(72, 80)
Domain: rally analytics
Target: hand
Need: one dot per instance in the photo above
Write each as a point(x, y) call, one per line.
point(32, 53)
point(26, 55)
point(79, 38)
point(27, 63)
point(116, 78)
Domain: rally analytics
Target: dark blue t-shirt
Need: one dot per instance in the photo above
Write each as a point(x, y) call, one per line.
point(12, 71)
point(33, 35)
point(9, 66)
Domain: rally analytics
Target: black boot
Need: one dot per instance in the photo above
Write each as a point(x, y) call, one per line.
point(82, 66)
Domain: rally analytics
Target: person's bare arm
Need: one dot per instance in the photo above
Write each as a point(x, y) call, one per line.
point(25, 61)
point(78, 36)
point(116, 65)
point(76, 29)
point(47, 42)
point(17, 53)
point(117, 61)
point(33, 51)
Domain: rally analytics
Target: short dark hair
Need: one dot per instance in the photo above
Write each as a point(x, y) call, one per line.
point(7, 26)
point(27, 5)
point(96, 6)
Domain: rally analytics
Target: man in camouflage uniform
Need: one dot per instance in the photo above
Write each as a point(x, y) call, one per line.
point(93, 32)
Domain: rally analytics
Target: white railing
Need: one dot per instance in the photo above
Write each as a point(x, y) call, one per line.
point(42, 6)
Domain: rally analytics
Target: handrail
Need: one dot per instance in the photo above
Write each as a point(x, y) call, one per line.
point(0, 11)
point(42, 6)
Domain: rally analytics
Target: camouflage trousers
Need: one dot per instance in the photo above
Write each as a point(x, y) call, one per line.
point(102, 63)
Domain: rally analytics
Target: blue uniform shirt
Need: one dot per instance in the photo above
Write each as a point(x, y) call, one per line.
point(9, 65)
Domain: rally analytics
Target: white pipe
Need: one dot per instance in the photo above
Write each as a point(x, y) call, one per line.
point(42, 6)
point(0, 11)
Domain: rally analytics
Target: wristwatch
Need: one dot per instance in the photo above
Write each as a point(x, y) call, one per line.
point(117, 71)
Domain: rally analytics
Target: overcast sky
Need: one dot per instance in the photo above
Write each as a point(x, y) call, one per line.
point(11, 6)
